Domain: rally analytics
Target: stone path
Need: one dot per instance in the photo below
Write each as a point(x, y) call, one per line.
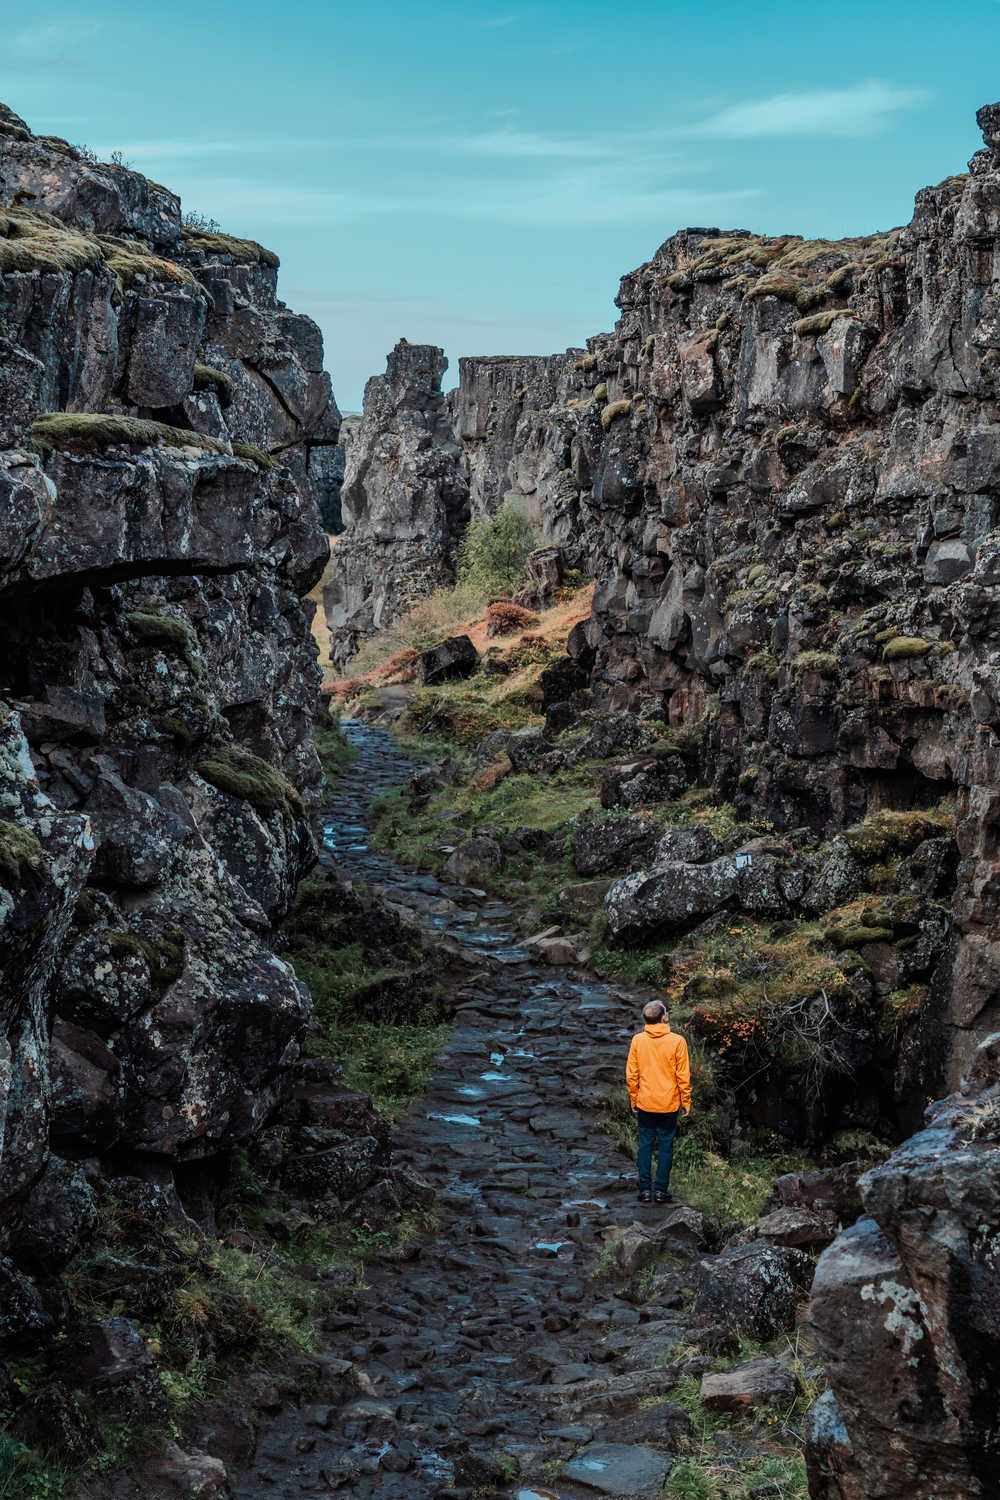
point(497, 1337)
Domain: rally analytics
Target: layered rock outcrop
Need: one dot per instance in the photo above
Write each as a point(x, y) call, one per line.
point(405, 500)
point(166, 422)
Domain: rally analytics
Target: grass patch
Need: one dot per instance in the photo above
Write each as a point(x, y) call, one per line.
point(375, 994)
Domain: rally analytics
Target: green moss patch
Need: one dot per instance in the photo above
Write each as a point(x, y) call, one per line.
point(905, 647)
point(824, 663)
point(163, 956)
point(89, 430)
point(208, 378)
point(239, 251)
point(240, 774)
point(155, 629)
point(854, 937)
point(820, 322)
point(255, 456)
point(613, 411)
point(20, 854)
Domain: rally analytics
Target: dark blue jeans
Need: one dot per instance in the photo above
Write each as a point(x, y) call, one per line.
point(661, 1129)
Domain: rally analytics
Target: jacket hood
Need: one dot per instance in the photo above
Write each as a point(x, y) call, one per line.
point(657, 1028)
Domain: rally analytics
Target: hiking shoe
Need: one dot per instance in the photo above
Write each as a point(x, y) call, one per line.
point(645, 1196)
point(663, 1198)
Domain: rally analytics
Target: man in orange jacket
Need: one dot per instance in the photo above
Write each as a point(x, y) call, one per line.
point(658, 1075)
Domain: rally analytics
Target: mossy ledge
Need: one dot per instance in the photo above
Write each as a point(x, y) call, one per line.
point(240, 252)
point(208, 378)
point(20, 853)
point(612, 412)
point(239, 773)
point(65, 429)
point(255, 456)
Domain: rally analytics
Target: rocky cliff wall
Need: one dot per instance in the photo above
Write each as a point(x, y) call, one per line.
point(404, 500)
point(166, 422)
point(782, 469)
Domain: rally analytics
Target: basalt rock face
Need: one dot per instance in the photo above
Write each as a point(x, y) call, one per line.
point(783, 470)
point(405, 500)
point(905, 1312)
point(164, 417)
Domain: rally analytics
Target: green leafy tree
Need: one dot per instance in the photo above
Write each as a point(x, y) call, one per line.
point(494, 551)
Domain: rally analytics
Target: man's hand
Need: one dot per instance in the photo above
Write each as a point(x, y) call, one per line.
point(685, 1112)
point(634, 1108)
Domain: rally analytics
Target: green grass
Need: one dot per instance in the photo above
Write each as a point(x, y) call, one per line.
point(375, 997)
point(333, 747)
point(728, 1187)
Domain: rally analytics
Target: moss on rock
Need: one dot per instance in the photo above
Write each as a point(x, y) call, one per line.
point(208, 378)
point(254, 455)
point(240, 774)
point(820, 322)
point(241, 252)
point(63, 429)
point(613, 411)
point(153, 628)
point(904, 647)
point(163, 956)
point(822, 662)
point(20, 853)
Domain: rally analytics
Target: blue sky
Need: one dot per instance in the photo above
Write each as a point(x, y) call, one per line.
point(481, 175)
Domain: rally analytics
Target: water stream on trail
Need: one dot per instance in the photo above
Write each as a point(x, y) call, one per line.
point(478, 1344)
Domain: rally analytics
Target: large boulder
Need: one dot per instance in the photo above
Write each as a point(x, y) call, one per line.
point(669, 898)
point(752, 1289)
point(612, 844)
point(452, 659)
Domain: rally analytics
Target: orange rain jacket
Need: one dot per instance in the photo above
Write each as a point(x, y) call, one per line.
point(658, 1072)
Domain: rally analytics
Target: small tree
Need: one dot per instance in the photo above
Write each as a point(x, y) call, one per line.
point(494, 551)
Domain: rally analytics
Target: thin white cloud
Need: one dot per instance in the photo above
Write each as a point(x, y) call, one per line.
point(589, 196)
point(492, 22)
point(52, 41)
point(864, 109)
point(520, 144)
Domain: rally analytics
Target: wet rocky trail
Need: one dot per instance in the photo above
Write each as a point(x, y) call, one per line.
point(494, 1337)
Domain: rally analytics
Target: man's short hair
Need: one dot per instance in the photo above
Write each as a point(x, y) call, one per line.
point(654, 1011)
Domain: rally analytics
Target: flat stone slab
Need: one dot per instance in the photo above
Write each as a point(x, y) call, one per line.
point(616, 1469)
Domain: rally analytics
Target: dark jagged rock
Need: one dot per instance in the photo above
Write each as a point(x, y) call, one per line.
point(405, 500)
point(165, 422)
point(904, 1309)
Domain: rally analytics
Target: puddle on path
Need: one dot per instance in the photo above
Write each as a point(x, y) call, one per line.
point(537, 1495)
point(456, 1119)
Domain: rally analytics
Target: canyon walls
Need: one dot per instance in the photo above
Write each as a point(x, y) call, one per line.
point(782, 470)
point(166, 430)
